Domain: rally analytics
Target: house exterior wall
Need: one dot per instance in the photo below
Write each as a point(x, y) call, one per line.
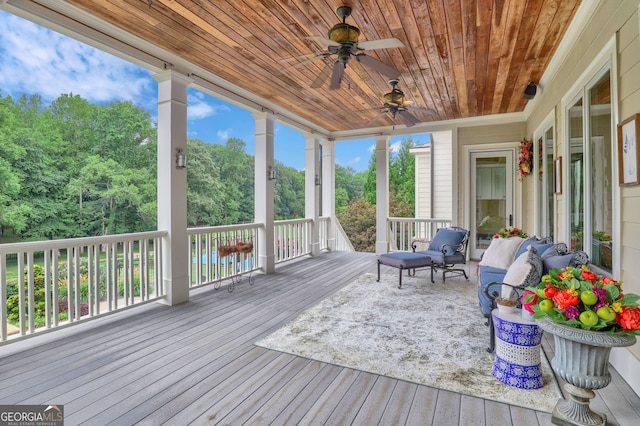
point(422, 156)
point(617, 20)
point(507, 134)
point(442, 151)
point(434, 191)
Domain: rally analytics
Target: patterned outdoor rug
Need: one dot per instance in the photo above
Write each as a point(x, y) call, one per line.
point(431, 334)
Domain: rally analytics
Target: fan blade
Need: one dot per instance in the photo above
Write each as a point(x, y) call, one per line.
point(376, 118)
point(410, 119)
point(323, 40)
point(336, 77)
point(418, 109)
point(303, 59)
point(321, 78)
point(378, 66)
point(315, 58)
point(385, 43)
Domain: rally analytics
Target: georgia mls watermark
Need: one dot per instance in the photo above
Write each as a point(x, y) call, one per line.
point(31, 415)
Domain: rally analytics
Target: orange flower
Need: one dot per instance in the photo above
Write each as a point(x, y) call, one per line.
point(564, 299)
point(609, 280)
point(589, 276)
point(629, 318)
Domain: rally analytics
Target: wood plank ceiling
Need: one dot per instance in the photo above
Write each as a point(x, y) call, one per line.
point(461, 58)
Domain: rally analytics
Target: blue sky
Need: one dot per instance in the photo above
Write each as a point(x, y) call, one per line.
point(38, 60)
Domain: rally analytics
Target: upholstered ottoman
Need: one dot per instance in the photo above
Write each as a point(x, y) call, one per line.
point(405, 260)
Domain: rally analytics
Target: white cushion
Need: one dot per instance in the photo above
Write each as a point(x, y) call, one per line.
point(527, 267)
point(501, 252)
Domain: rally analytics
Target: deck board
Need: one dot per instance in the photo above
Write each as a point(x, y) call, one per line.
point(196, 363)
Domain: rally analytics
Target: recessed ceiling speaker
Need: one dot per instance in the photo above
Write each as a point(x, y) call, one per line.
point(530, 91)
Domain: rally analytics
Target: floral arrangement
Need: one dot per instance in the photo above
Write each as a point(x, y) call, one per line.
point(579, 298)
point(525, 158)
point(510, 232)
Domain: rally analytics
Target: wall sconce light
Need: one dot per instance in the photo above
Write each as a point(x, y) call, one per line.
point(181, 159)
point(318, 180)
point(530, 91)
point(271, 174)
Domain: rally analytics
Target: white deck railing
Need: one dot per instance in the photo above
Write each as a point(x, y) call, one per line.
point(46, 284)
point(402, 231)
point(292, 239)
point(210, 264)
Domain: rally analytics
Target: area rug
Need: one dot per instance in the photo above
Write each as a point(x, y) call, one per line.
point(430, 334)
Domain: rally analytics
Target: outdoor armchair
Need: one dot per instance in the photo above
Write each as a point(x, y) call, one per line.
point(447, 250)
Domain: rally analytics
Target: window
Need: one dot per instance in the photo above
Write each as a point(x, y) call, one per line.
point(546, 188)
point(576, 176)
point(600, 172)
point(590, 171)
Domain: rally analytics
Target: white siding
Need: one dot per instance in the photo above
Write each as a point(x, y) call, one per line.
point(442, 152)
point(423, 181)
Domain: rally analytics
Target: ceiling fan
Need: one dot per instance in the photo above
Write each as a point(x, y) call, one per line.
point(394, 104)
point(343, 42)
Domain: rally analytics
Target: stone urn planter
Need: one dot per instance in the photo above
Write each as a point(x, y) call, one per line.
point(582, 360)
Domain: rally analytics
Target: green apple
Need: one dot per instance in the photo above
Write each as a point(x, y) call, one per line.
point(606, 313)
point(589, 318)
point(588, 297)
point(545, 305)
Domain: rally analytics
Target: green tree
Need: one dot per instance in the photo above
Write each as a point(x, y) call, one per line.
point(107, 196)
point(349, 186)
point(289, 193)
point(204, 195)
point(359, 223)
point(402, 174)
point(236, 172)
point(401, 180)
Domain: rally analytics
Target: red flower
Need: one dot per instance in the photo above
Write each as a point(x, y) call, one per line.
point(609, 280)
point(629, 318)
point(550, 291)
point(589, 276)
point(564, 299)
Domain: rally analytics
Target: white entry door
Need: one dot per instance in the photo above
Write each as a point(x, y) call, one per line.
point(492, 198)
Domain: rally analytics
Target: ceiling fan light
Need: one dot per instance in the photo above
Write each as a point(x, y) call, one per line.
point(344, 33)
point(395, 97)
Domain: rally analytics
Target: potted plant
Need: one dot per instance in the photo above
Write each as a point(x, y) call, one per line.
point(587, 315)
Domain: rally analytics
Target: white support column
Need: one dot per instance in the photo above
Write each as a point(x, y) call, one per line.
point(264, 190)
point(382, 193)
point(172, 184)
point(311, 190)
point(329, 188)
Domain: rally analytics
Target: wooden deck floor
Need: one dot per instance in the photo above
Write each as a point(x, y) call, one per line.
point(196, 364)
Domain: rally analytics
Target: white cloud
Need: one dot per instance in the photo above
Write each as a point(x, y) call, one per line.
point(395, 147)
point(38, 60)
point(198, 107)
point(223, 135)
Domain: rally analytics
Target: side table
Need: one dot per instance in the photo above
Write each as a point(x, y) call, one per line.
point(517, 360)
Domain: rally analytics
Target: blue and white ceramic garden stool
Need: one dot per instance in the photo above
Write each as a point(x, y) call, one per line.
point(517, 360)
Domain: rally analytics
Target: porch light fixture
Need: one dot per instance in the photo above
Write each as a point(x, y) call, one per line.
point(181, 159)
point(530, 91)
point(271, 174)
